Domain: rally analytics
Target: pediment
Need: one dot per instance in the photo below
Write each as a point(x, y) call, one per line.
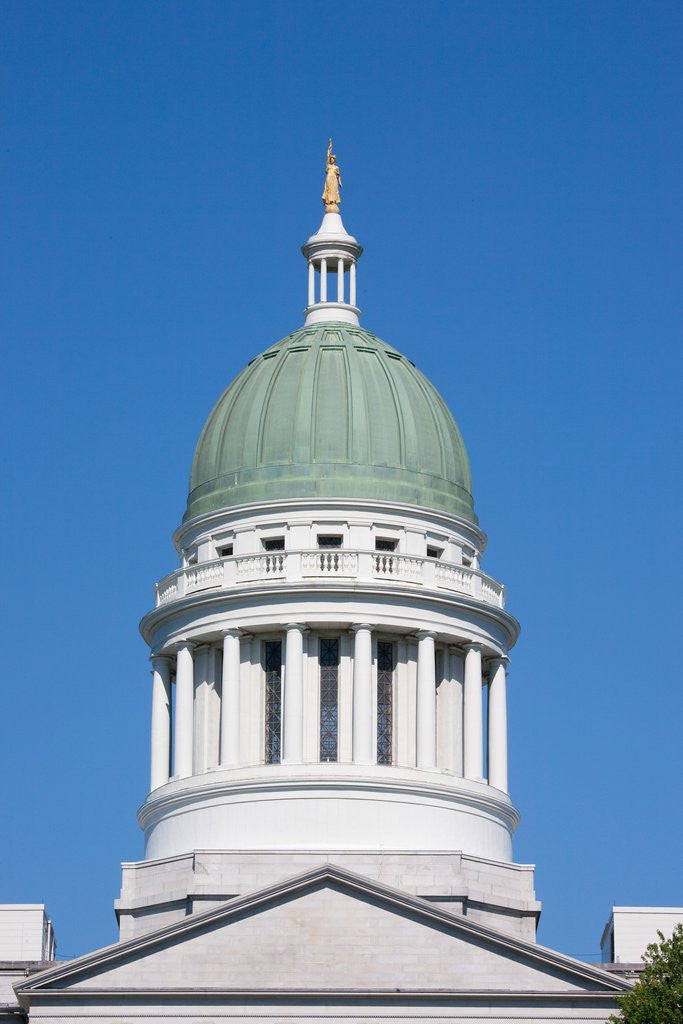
point(326, 930)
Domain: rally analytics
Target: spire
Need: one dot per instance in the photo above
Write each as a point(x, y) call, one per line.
point(331, 252)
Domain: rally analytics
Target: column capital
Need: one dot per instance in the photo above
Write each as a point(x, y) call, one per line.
point(355, 626)
point(232, 632)
point(500, 659)
point(473, 646)
point(301, 626)
point(183, 645)
point(425, 634)
point(160, 659)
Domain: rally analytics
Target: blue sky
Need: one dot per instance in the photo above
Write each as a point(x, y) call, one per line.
point(513, 171)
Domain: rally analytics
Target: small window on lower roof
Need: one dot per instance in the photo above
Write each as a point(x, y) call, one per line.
point(224, 551)
point(384, 544)
point(274, 544)
point(328, 540)
point(433, 552)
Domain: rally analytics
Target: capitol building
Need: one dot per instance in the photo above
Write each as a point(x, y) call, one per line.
point(328, 828)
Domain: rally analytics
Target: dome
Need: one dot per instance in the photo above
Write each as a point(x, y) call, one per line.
point(331, 411)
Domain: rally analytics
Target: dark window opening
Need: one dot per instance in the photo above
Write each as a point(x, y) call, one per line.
point(383, 544)
point(329, 698)
point(385, 693)
point(274, 544)
point(225, 551)
point(329, 541)
point(434, 552)
point(272, 658)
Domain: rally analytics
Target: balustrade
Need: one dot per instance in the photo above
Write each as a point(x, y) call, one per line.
point(208, 574)
point(266, 565)
point(326, 564)
point(331, 562)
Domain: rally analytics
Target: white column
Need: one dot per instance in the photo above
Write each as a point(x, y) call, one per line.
point(352, 283)
point(426, 702)
point(340, 280)
point(184, 710)
point(362, 744)
point(200, 710)
point(293, 704)
point(230, 699)
point(323, 280)
point(457, 673)
point(498, 728)
point(311, 283)
point(473, 727)
point(160, 760)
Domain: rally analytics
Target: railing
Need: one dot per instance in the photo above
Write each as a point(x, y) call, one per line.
point(297, 566)
point(329, 563)
point(266, 566)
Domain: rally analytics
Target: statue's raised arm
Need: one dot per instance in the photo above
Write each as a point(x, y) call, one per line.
point(331, 197)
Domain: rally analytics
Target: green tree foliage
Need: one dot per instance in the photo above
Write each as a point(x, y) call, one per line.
point(657, 998)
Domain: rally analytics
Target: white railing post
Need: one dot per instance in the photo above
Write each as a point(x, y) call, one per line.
point(293, 566)
point(428, 573)
point(365, 565)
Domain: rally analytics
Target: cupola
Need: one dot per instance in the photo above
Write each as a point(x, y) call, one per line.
point(332, 254)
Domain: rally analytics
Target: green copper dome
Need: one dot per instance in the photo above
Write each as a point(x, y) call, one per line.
point(331, 411)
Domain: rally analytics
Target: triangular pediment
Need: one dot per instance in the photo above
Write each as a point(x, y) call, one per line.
point(324, 931)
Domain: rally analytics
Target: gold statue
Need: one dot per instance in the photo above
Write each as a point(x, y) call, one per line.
point(333, 182)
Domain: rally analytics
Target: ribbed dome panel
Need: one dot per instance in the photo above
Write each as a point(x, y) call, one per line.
point(331, 411)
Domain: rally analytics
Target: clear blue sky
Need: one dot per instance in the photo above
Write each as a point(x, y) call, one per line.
point(513, 170)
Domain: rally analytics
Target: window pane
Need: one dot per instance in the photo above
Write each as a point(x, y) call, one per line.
point(329, 698)
point(328, 541)
point(274, 544)
point(272, 656)
point(385, 689)
point(382, 544)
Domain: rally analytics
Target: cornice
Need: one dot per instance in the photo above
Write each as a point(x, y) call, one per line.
point(270, 593)
point(280, 779)
point(350, 996)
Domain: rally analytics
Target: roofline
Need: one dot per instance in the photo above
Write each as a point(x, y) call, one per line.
point(291, 886)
